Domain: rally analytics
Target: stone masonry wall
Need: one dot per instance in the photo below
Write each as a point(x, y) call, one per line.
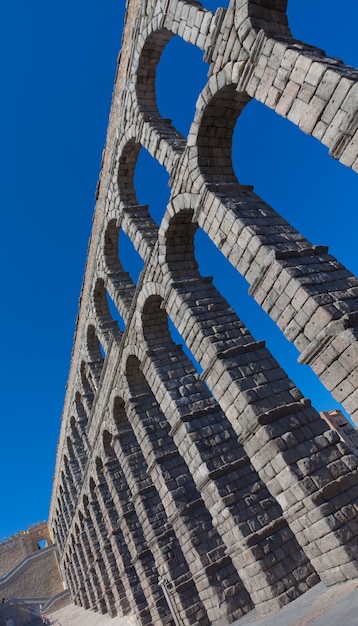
point(19, 546)
point(38, 577)
point(187, 498)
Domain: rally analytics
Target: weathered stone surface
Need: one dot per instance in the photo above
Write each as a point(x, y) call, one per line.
point(206, 495)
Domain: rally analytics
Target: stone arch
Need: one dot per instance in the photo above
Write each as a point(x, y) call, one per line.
point(88, 544)
point(106, 520)
point(88, 388)
point(95, 356)
point(107, 328)
point(168, 366)
point(158, 135)
point(72, 458)
point(149, 55)
point(58, 528)
point(127, 156)
point(155, 322)
point(182, 73)
point(110, 247)
point(107, 438)
point(85, 505)
point(71, 567)
point(264, 247)
point(159, 330)
point(128, 465)
point(112, 496)
point(73, 463)
point(157, 454)
point(63, 510)
point(120, 286)
point(87, 597)
point(93, 344)
point(118, 412)
point(78, 442)
point(68, 478)
point(66, 491)
point(157, 33)
point(177, 243)
point(132, 370)
point(134, 349)
point(135, 220)
point(98, 464)
point(82, 416)
point(149, 58)
point(213, 127)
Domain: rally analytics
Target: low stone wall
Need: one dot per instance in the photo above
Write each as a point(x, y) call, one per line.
point(38, 577)
point(12, 551)
point(16, 548)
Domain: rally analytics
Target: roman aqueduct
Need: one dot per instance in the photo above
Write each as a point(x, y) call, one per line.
point(184, 497)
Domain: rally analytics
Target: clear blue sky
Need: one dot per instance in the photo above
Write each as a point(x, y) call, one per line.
point(57, 70)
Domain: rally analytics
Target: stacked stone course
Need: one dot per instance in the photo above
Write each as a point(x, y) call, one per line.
point(186, 498)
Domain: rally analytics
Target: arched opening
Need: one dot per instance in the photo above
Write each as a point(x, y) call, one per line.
point(115, 314)
point(107, 326)
point(151, 184)
point(126, 167)
point(107, 446)
point(214, 138)
point(119, 413)
point(78, 443)
point(74, 464)
point(179, 245)
point(82, 415)
point(234, 289)
point(293, 173)
point(88, 386)
point(96, 357)
point(159, 330)
point(95, 350)
point(131, 260)
point(181, 75)
point(178, 339)
point(289, 170)
point(120, 287)
point(137, 222)
point(146, 73)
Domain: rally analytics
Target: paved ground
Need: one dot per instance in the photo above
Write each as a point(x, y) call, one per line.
point(321, 606)
point(72, 615)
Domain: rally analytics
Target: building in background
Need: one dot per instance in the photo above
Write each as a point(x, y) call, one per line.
point(30, 578)
point(347, 432)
